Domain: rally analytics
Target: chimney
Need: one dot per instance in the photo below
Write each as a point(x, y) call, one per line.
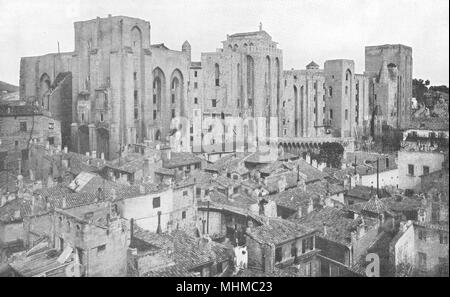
point(325, 229)
point(99, 195)
point(158, 229)
point(146, 167)
point(131, 228)
point(17, 214)
point(64, 202)
point(94, 154)
point(66, 150)
point(308, 159)
point(249, 226)
point(102, 156)
point(3, 201)
point(141, 189)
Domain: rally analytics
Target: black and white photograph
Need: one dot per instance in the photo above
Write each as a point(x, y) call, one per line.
point(247, 140)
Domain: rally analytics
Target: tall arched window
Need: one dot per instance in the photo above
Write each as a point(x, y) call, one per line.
point(177, 99)
point(302, 111)
point(217, 74)
point(296, 111)
point(250, 80)
point(239, 84)
point(278, 69)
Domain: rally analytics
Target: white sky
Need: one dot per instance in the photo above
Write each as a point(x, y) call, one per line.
point(305, 29)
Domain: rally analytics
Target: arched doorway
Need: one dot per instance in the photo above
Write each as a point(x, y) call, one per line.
point(103, 142)
point(83, 136)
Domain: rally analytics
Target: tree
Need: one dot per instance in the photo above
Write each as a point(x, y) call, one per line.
point(331, 153)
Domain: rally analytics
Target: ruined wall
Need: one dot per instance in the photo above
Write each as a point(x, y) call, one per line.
point(401, 56)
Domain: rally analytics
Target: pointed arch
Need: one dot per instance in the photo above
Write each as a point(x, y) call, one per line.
point(217, 74)
point(176, 92)
point(159, 86)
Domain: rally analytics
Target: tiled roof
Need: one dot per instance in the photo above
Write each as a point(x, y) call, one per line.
point(228, 162)
point(14, 210)
point(312, 174)
point(324, 188)
point(200, 178)
point(287, 156)
point(188, 253)
point(130, 163)
point(165, 171)
point(277, 231)
point(338, 223)
point(7, 110)
point(340, 174)
point(170, 271)
point(181, 159)
point(400, 203)
point(293, 198)
point(430, 123)
point(239, 200)
point(365, 193)
point(375, 205)
point(367, 162)
point(38, 263)
point(226, 182)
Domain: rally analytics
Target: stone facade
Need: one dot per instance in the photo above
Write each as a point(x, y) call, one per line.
point(389, 69)
point(126, 90)
point(317, 102)
point(18, 126)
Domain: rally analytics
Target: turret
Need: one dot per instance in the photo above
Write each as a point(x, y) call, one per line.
point(186, 48)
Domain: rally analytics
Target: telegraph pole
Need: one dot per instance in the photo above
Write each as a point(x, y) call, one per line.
point(378, 176)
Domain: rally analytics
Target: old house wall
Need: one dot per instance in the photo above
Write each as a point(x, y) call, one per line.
point(145, 215)
point(361, 242)
point(418, 160)
point(388, 178)
point(333, 250)
point(15, 142)
point(256, 254)
point(401, 56)
point(36, 226)
point(184, 203)
point(432, 247)
point(103, 249)
point(11, 232)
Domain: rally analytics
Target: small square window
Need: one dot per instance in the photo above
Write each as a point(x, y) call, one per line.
point(154, 114)
point(173, 113)
point(101, 248)
point(214, 102)
point(195, 85)
point(185, 193)
point(195, 73)
point(156, 202)
point(183, 215)
point(195, 100)
point(23, 126)
point(411, 169)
